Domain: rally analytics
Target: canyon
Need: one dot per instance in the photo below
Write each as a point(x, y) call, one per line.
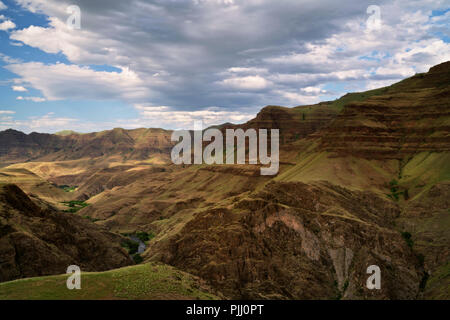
point(363, 180)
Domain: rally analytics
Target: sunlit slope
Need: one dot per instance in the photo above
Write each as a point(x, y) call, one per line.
point(160, 199)
point(33, 185)
point(141, 282)
point(409, 117)
point(399, 132)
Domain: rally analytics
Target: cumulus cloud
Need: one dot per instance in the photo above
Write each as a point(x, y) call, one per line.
point(169, 118)
point(246, 83)
point(6, 25)
point(19, 88)
point(149, 116)
point(235, 54)
point(61, 81)
point(2, 6)
point(46, 123)
point(8, 59)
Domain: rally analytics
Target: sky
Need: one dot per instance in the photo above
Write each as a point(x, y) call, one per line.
point(92, 65)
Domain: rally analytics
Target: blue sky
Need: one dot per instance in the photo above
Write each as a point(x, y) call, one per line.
point(155, 63)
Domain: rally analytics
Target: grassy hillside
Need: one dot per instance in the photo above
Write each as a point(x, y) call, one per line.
point(147, 281)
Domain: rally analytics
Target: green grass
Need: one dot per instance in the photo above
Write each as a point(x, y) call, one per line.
point(67, 188)
point(355, 97)
point(145, 236)
point(141, 282)
point(425, 170)
point(74, 206)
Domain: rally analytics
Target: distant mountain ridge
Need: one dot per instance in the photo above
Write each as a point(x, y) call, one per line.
point(15, 146)
point(393, 115)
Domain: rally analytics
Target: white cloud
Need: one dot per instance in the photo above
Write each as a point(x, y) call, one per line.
point(423, 55)
point(19, 88)
point(229, 53)
point(169, 118)
point(8, 59)
point(246, 83)
point(248, 70)
point(2, 6)
point(81, 46)
point(298, 98)
point(61, 81)
point(34, 99)
point(149, 116)
point(45, 123)
point(376, 84)
point(49, 120)
point(313, 90)
point(6, 25)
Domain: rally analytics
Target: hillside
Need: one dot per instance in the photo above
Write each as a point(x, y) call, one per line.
point(36, 241)
point(407, 118)
point(296, 241)
point(363, 180)
point(136, 144)
point(143, 282)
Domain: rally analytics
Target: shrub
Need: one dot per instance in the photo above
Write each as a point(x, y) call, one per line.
point(131, 246)
point(406, 194)
point(145, 236)
point(91, 219)
point(395, 193)
point(75, 206)
point(423, 282)
point(407, 236)
point(137, 258)
point(345, 286)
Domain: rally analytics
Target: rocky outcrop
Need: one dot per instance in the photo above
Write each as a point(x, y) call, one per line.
point(293, 123)
point(297, 241)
